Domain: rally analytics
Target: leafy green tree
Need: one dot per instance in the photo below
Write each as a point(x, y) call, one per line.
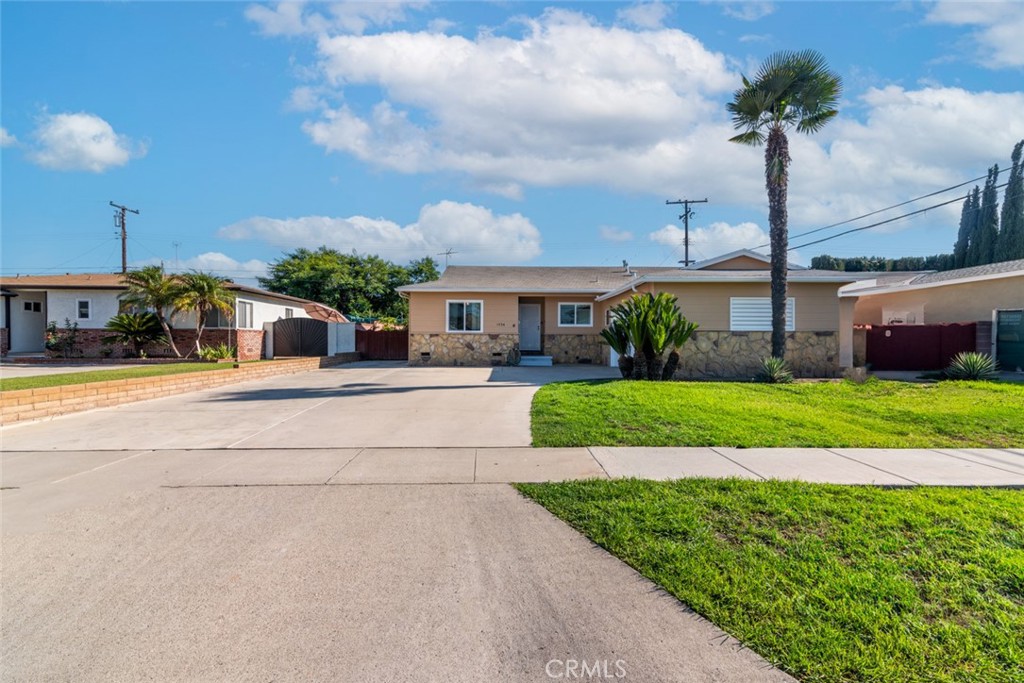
point(982, 246)
point(362, 286)
point(149, 288)
point(135, 330)
point(200, 293)
point(791, 90)
point(1011, 231)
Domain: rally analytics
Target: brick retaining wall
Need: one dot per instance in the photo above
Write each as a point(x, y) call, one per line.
point(89, 343)
point(35, 404)
point(3, 341)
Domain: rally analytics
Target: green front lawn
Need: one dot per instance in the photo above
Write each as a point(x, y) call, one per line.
point(829, 583)
point(814, 414)
point(55, 380)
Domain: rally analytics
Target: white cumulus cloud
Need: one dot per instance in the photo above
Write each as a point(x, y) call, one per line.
point(748, 10)
point(81, 142)
point(998, 35)
point(214, 262)
point(567, 102)
point(6, 139)
point(295, 18)
point(612, 234)
point(475, 232)
point(644, 14)
point(713, 240)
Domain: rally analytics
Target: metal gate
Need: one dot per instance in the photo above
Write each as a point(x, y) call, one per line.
point(1010, 339)
point(300, 337)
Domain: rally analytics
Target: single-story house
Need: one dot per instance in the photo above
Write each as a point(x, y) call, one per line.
point(30, 302)
point(476, 315)
point(991, 296)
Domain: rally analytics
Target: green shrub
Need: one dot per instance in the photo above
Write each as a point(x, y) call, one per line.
point(652, 328)
point(219, 352)
point(134, 331)
point(774, 371)
point(972, 365)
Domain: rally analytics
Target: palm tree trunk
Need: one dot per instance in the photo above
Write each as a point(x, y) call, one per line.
point(167, 332)
point(776, 158)
point(670, 366)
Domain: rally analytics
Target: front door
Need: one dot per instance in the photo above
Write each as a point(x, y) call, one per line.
point(529, 327)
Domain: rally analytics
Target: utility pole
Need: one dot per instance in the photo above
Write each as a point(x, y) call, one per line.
point(447, 253)
point(685, 217)
point(121, 221)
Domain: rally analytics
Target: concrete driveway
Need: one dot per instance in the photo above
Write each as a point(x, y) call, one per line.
point(241, 561)
point(358, 405)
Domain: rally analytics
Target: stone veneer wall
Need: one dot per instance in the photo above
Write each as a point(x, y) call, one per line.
point(739, 354)
point(460, 349)
point(90, 344)
point(708, 354)
point(575, 348)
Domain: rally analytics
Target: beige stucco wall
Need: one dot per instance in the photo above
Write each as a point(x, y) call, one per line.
point(707, 304)
point(427, 312)
point(954, 303)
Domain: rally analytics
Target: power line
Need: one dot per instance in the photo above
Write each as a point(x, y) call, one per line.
point(121, 221)
point(888, 208)
point(888, 220)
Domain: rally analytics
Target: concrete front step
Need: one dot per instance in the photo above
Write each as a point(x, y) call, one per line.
point(535, 361)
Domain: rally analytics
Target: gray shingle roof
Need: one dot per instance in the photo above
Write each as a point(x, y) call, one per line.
point(531, 279)
point(975, 271)
point(596, 280)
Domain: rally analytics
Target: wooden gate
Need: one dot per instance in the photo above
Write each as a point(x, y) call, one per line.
point(917, 347)
point(300, 337)
point(381, 345)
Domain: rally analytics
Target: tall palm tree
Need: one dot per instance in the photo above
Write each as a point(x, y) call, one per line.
point(791, 89)
point(150, 288)
point(202, 293)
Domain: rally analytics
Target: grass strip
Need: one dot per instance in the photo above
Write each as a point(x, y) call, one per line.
point(875, 414)
point(830, 583)
point(61, 379)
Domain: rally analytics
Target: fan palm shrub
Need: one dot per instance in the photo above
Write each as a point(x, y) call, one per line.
point(134, 330)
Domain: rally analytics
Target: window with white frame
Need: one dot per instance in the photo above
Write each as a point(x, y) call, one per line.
point(83, 309)
point(244, 315)
point(288, 313)
point(575, 315)
point(465, 316)
point(754, 314)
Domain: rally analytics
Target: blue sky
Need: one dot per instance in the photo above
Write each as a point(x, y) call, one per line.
point(512, 133)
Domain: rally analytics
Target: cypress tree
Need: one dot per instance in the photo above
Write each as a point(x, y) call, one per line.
point(1011, 232)
point(963, 235)
point(982, 242)
point(970, 215)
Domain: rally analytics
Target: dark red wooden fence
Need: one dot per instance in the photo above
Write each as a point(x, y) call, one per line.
point(381, 345)
point(917, 347)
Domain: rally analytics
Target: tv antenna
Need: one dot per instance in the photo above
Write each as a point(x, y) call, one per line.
point(121, 221)
point(447, 253)
point(685, 218)
point(176, 245)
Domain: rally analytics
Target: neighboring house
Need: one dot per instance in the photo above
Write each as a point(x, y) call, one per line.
point(32, 301)
point(990, 295)
point(475, 315)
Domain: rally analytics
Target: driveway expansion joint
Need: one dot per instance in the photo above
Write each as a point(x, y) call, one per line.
point(738, 464)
